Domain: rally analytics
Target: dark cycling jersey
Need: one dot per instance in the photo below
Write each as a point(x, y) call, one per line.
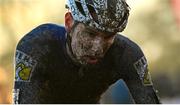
point(46, 74)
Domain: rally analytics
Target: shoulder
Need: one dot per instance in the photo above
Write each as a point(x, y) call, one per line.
point(37, 50)
point(130, 47)
point(43, 33)
point(41, 39)
point(45, 30)
point(51, 27)
point(133, 58)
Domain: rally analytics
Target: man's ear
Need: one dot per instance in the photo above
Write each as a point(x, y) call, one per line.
point(68, 21)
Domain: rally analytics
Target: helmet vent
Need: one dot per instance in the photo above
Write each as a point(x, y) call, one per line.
point(80, 8)
point(93, 13)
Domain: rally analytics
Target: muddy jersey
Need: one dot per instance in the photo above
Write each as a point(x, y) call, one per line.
point(44, 73)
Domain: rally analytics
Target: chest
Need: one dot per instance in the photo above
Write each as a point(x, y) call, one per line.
point(80, 84)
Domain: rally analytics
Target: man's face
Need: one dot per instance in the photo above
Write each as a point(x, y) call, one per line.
point(89, 45)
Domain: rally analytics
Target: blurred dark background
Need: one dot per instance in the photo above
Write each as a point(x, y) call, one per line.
point(153, 24)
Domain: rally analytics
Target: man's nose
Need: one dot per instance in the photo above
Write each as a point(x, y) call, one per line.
point(97, 44)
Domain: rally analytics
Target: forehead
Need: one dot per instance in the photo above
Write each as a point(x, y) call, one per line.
point(84, 27)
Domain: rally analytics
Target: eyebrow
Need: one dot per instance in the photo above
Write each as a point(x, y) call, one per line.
point(89, 29)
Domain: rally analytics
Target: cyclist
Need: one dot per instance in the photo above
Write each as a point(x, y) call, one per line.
point(77, 63)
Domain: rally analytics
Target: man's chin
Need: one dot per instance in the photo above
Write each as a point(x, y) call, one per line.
point(90, 61)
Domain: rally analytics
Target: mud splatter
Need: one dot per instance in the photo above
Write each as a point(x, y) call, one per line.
point(87, 44)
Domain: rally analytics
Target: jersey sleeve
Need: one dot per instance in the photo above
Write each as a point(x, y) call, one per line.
point(31, 63)
point(137, 76)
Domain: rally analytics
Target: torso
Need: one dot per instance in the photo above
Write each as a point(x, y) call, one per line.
point(56, 79)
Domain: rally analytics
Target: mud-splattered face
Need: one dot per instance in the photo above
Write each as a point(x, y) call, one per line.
point(88, 45)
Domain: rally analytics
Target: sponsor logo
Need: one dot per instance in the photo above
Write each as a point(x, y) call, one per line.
point(141, 67)
point(24, 66)
point(147, 79)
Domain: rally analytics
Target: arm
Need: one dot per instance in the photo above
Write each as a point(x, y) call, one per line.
point(37, 55)
point(137, 76)
point(31, 65)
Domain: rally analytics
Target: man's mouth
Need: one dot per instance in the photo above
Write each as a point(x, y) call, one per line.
point(91, 59)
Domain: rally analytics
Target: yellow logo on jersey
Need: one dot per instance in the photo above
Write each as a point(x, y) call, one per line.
point(24, 71)
point(25, 65)
point(147, 79)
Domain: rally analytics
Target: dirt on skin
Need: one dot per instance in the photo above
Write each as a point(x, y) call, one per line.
point(88, 46)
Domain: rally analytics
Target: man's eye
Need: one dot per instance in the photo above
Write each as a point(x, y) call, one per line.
point(91, 34)
point(108, 36)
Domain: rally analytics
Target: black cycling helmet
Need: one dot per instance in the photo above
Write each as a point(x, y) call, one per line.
point(104, 15)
